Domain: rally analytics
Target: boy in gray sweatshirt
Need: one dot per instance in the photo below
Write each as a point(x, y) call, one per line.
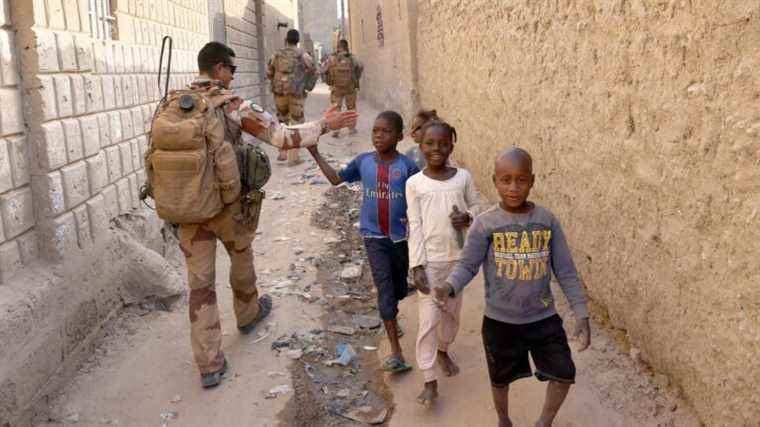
point(519, 245)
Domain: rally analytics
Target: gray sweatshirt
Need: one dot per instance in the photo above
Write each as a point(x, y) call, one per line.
point(518, 253)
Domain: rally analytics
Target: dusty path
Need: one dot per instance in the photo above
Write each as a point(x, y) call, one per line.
point(144, 369)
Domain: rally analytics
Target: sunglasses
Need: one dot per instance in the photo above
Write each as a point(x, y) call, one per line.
point(231, 67)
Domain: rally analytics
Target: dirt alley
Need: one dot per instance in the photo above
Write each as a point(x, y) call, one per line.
point(309, 256)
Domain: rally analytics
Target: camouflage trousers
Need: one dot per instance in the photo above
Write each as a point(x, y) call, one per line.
point(198, 243)
point(290, 112)
point(337, 96)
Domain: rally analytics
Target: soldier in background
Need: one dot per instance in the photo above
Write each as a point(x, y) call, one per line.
point(342, 72)
point(289, 71)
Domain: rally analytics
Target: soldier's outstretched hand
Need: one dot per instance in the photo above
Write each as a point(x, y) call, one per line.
point(338, 120)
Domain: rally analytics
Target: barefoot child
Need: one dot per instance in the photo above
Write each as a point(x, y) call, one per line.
point(383, 174)
point(438, 199)
point(414, 154)
point(519, 244)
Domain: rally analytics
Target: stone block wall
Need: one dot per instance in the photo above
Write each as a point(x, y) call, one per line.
point(643, 120)
point(87, 106)
point(18, 240)
point(389, 79)
point(242, 35)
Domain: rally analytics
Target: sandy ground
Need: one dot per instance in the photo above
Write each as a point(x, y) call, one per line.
point(144, 368)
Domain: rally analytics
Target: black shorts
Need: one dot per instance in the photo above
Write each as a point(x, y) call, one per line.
point(507, 346)
point(389, 263)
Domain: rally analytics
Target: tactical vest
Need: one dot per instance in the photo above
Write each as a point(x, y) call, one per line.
point(341, 73)
point(289, 72)
point(192, 170)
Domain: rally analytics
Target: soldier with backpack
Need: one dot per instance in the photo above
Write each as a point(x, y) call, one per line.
point(292, 74)
point(342, 72)
point(206, 180)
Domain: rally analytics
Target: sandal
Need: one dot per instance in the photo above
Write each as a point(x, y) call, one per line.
point(265, 304)
point(395, 365)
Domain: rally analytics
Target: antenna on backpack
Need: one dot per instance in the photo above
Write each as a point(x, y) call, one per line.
point(168, 65)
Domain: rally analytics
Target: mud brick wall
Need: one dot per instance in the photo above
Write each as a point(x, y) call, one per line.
point(643, 120)
point(389, 79)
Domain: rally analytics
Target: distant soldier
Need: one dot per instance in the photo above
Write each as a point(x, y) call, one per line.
point(200, 182)
point(342, 72)
point(292, 73)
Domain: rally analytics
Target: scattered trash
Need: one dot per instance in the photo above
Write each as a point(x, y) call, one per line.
point(370, 348)
point(344, 393)
point(367, 415)
point(276, 196)
point(294, 354)
point(176, 399)
point(309, 371)
point(168, 416)
point(272, 374)
point(263, 334)
point(281, 342)
point(332, 240)
point(298, 251)
point(346, 354)
point(274, 392)
point(351, 272)
point(367, 322)
point(72, 418)
point(343, 330)
point(281, 239)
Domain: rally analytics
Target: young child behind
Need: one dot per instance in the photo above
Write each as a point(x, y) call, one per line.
point(420, 119)
point(519, 244)
point(439, 199)
point(383, 174)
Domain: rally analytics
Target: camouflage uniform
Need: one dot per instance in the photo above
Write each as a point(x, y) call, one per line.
point(289, 103)
point(198, 241)
point(346, 91)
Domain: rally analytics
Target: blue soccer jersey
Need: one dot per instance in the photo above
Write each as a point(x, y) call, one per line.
point(383, 212)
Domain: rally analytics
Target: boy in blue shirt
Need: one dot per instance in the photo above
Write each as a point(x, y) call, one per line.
point(383, 224)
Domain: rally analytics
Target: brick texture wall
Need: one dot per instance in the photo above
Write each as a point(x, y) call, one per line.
point(87, 105)
point(18, 241)
point(242, 35)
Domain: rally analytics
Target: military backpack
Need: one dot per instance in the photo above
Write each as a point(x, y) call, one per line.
point(341, 73)
point(290, 74)
point(192, 171)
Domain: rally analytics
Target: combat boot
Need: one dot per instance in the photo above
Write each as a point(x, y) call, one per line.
point(213, 379)
point(265, 307)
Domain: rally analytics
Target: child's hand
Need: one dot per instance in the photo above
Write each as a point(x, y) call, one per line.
point(442, 294)
point(420, 279)
point(582, 332)
point(459, 220)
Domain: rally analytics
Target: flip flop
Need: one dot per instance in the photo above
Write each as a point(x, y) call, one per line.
point(394, 365)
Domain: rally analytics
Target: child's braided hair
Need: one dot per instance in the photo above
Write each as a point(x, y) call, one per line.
point(440, 124)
